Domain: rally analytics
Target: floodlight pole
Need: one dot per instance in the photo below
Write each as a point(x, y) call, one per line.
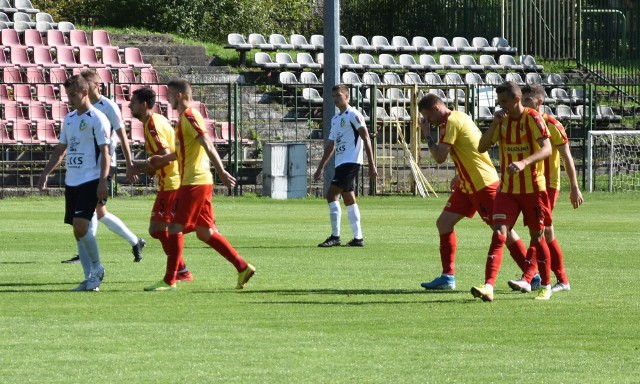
point(331, 76)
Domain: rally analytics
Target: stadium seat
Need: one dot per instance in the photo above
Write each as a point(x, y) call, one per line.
point(453, 78)
point(361, 44)
point(306, 61)
point(12, 112)
point(22, 133)
point(388, 61)
point(546, 109)
point(280, 42)
point(468, 62)
point(43, 27)
point(502, 45)
point(105, 75)
point(578, 96)
point(317, 41)
point(473, 78)
point(346, 61)
point(397, 96)
point(371, 78)
point(12, 75)
point(310, 78)
point(484, 114)
point(136, 131)
point(148, 76)
point(62, 91)
point(26, 6)
point(10, 38)
point(462, 45)
point(493, 78)
point(45, 93)
point(228, 131)
point(432, 78)
point(407, 61)
point(461, 108)
point(20, 57)
point(133, 57)
point(32, 38)
point(37, 112)
point(59, 110)
point(111, 57)
point(392, 78)
point(351, 78)
point(258, 41)
point(515, 77)
point(533, 78)
point(554, 79)
point(449, 62)
point(564, 112)
point(442, 45)
point(429, 63)
point(78, 38)
point(284, 60)
point(509, 63)
point(42, 57)
point(382, 115)
point(402, 44)
point(55, 38)
point(482, 45)
point(529, 63)
point(368, 62)
point(22, 93)
point(489, 63)
point(300, 43)
point(382, 44)
point(22, 17)
point(236, 41)
point(6, 7)
point(264, 61)
point(411, 78)
point(21, 26)
point(287, 78)
point(35, 75)
point(399, 113)
point(7, 24)
point(345, 45)
point(100, 38)
point(380, 99)
point(5, 138)
point(58, 75)
point(46, 18)
point(89, 57)
point(457, 95)
point(66, 57)
point(311, 96)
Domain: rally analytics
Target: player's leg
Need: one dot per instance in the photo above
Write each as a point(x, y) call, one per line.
point(557, 258)
point(347, 183)
point(116, 226)
point(335, 215)
point(535, 208)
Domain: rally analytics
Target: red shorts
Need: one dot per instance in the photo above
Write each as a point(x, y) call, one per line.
point(553, 200)
point(164, 206)
point(466, 204)
point(534, 208)
point(193, 207)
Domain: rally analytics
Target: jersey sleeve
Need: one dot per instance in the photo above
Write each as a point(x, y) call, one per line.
point(63, 133)
point(451, 131)
point(357, 120)
point(557, 134)
point(156, 135)
point(196, 122)
point(101, 129)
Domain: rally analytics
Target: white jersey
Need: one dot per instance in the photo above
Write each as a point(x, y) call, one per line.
point(112, 111)
point(83, 134)
point(344, 133)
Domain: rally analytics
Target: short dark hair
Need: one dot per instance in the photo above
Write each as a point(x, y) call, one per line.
point(90, 75)
point(342, 88)
point(145, 95)
point(510, 87)
point(76, 81)
point(180, 85)
point(429, 101)
point(535, 90)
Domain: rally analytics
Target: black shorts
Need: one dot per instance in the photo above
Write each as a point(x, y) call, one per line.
point(345, 176)
point(80, 201)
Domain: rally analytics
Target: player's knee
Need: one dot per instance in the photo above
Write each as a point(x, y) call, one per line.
point(204, 234)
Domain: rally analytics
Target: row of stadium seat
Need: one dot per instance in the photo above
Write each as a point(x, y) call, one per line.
point(65, 56)
point(360, 43)
point(405, 61)
point(58, 75)
point(18, 6)
point(54, 38)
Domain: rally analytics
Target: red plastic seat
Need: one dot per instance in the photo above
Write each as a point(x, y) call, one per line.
point(22, 93)
point(22, 132)
point(46, 132)
point(42, 57)
point(100, 38)
point(58, 75)
point(78, 38)
point(66, 57)
point(45, 93)
point(133, 57)
point(33, 38)
point(89, 57)
point(35, 75)
point(12, 75)
point(148, 76)
point(126, 76)
point(20, 57)
point(5, 138)
point(111, 57)
point(10, 37)
point(55, 38)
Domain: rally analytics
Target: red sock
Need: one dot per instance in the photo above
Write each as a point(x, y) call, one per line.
point(163, 236)
point(448, 253)
point(519, 254)
point(544, 261)
point(223, 247)
point(494, 258)
point(557, 261)
point(531, 263)
point(174, 246)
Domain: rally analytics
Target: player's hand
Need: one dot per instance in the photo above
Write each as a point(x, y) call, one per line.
point(227, 179)
point(316, 175)
point(42, 183)
point(132, 173)
point(373, 171)
point(515, 167)
point(576, 198)
point(424, 125)
point(455, 183)
point(103, 189)
point(498, 116)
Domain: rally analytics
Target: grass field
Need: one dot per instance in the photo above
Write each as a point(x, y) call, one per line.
point(314, 315)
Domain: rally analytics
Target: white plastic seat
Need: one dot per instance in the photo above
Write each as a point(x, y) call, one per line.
point(300, 42)
point(344, 44)
point(470, 63)
point(361, 44)
point(515, 77)
point(564, 112)
point(351, 78)
point(422, 44)
point(489, 63)
point(237, 41)
point(457, 95)
point(493, 78)
point(312, 96)
point(287, 78)
point(346, 61)
point(279, 42)
point(263, 60)
point(440, 93)
point(413, 78)
point(452, 78)
point(382, 44)
point(462, 45)
point(258, 41)
point(482, 45)
point(442, 45)
point(429, 63)
point(285, 61)
point(368, 62)
point(402, 44)
point(397, 96)
point(503, 45)
point(449, 62)
point(554, 79)
point(529, 63)
point(382, 115)
point(473, 78)
point(400, 113)
point(547, 109)
point(309, 78)
point(306, 61)
point(484, 114)
point(392, 78)
point(509, 63)
point(388, 62)
point(380, 99)
point(606, 112)
point(533, 78)
point(577, 96)
point(317, 41)
point(371, 78)
point(432, 78)
point(408, 62)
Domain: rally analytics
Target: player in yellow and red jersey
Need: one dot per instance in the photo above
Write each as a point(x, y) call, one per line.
point(473, 188)
point(159, 139)
point(523, 139)
point(533, 97)
point(193, 210)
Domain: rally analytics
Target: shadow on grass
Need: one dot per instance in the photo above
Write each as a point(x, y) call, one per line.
point(17, 262)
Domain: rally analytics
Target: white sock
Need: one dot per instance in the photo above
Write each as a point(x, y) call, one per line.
point(334, 214)
point(116, 226)
point(93, 224)
point(489, 286)
point(90, 246)
point(353, 213)
point(84, 259)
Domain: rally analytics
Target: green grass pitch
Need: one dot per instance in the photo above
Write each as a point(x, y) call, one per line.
point(311, 315)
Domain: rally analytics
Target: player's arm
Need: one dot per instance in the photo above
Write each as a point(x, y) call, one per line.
point(161, 159)
point(126, 150)
point(540, 154)
point(439, 151)
point(364, 135)
point(574, 195)
point(105, 165)
point(486, 140)
point(328, 152)
point(56, 158)
point(211, 151)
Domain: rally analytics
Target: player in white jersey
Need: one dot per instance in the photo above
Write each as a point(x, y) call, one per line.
point(85, 141)
point(116, 128)
point(347, 139)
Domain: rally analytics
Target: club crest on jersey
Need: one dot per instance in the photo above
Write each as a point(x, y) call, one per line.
point(83, 125)
point(342, 123)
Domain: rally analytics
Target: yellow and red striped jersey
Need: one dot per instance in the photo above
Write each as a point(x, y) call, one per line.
point(159, 135)
point(193, 162)
point(518, 139)
point(558, 137)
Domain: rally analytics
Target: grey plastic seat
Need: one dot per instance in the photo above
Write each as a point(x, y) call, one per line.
point(258, 41)
point(515, 77)
point(533, 78)
point(503, 45)
point(407, 61)
point(279, 42)
point(382, 115)
point(402, 44)
point(457, 96)
point(489, 63)
point(473, 78)
point(361, 44)
point(392, 78)
point(382, 44)
point(6, 8)
point(422, 44)
point(564, 112)
point(606, 112)
point(413, 78)
point(400, 113)
point(397, 96)
point(5, 19)
point(493, 78)
point(442, 45)
point(25, 17)
point(470, 63)
point(449, 62)
point(484, 114)
point(21, 26)
point(65, 27)
point(368, 62)
point(554, 79)
point(345, 45)
point(388, 61)
point(306, 61)
point(317, 41)
point(578, 96)
point(351, 78)
point(482, 45)
point(432, 78)
point(529, 63)
point(429, 63)
point(285, 61)
point(263, 60)
point(371, 78)
point(309, 78)
point(299, 42)
point(440, 93)
point(462, 45)
point(287, 78)
point(509, 63)
point(237, 41)
point(346, 61)
point(25, 6)
point(380, 99)
point(44, 16)
point(452, 78)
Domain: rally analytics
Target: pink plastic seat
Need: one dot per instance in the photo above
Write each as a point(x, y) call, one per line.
point(22, 132)
point(55, 38)
point(4, 63)
point(5, 138)
point(105, 74)
point(45, 93)
point(137, 131)
point(12, 112)
point(66, 57)
point(111, 57)
point(35, 75)
point(133, 57)
point(46, 132)
point(58, 75)
point(78, 38)
point(58, 110)
point(33, 38)
point(89, 57)
point(42, 57)
point(10, 37)
point(22, 93)
point(148, 76)
point(20, 57)
point(100, 38)
point(37, 112)
point(126, 76)
point(12, 75)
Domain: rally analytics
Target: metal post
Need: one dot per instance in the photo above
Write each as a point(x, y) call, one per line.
point(235, 131)
point(331, 76)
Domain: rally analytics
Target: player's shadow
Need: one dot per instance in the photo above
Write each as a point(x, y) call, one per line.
point(17, 262)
